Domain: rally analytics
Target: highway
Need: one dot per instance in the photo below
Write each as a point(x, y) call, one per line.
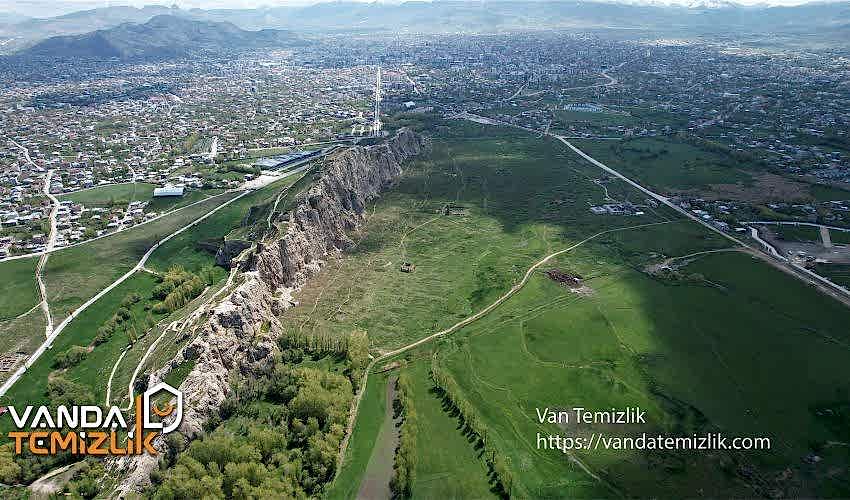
point(826, 286)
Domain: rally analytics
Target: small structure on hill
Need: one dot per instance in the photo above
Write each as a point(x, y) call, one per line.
point(452, 209)
point(407, 267)
point(569, 279)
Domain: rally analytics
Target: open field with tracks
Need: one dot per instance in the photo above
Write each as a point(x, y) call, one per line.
point(718, 343)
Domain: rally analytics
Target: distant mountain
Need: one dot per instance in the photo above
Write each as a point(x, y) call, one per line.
point(491, 16)
point(12, 18)
point(440, 16)
point(27, 31)
point(162, 37)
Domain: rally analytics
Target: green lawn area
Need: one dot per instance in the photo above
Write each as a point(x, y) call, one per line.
point(184, 250)
point(594, 119)
point(448, 465)
point(75, 274)
point(837, 273)
point(839, 237)
point(370, 417)
point(20, 290)
point(638, 341)
point(168, 203)
point(111, 194)
point(821, 192)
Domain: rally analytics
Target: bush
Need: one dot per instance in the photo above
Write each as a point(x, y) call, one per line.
point(71, 357)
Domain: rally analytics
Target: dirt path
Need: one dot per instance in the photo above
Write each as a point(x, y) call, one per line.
point(51, 241)
point(460, 324)
point(51, 483)
point(379, 471)
point(141, 264)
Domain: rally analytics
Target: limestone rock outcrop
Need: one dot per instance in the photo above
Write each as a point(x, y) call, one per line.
point(241, 332)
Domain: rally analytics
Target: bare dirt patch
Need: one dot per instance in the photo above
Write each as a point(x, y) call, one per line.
point(573, 281)
point(767, 187)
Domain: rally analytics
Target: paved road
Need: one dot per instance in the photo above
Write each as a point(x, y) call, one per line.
point(795, 223)
point(824, 236)
point(48, 343)
point(826, 286)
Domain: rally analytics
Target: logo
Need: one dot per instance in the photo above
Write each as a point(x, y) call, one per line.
point(86, 430)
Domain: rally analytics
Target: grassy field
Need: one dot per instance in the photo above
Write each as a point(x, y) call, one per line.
point(839, 237)
point(828, 193)
point(837, 273)
point(93, 372)
point(370, 418)
point(75, 274)
point(22, 334)
point(724, 343)
point(797, 233)
point(184, 250)
point(112, 194)
point(449, 465)
point(668, 164)
point(19, 287)
point(563, 118)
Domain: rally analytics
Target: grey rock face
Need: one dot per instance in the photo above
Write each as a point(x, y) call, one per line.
point(241, 332)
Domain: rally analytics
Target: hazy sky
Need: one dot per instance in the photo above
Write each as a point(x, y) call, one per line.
point(48, 8)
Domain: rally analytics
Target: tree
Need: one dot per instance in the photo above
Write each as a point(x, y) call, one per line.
point(70, 357)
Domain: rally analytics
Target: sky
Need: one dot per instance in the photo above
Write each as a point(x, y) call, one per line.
point(49, 8)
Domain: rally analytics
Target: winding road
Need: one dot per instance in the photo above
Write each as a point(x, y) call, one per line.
point(51, 241)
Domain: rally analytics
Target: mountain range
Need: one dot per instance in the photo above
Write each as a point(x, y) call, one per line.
point(162, 37)
point(701, 17)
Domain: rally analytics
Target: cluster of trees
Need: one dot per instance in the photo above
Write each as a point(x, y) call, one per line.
point(26, 468)
point(353, 347)
point(178, 287)
point(62, 391)
point(499, 465)
point(277, 436)
point(71, 357)
point(86, 480)
point(121, 321)
point(404, 469)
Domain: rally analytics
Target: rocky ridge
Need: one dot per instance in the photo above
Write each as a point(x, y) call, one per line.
point(241, 332)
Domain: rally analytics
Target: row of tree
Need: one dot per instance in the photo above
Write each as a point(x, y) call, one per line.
point(404, 469)
point(354, 347)
point(121, 321)
point(278, 432)
point(498, 463)
point(178, 287)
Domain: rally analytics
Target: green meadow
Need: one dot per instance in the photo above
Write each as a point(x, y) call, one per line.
point(111, 194)
point(75, 274)
point(721, 344)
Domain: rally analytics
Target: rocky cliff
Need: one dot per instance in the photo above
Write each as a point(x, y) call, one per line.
point(242, 330)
